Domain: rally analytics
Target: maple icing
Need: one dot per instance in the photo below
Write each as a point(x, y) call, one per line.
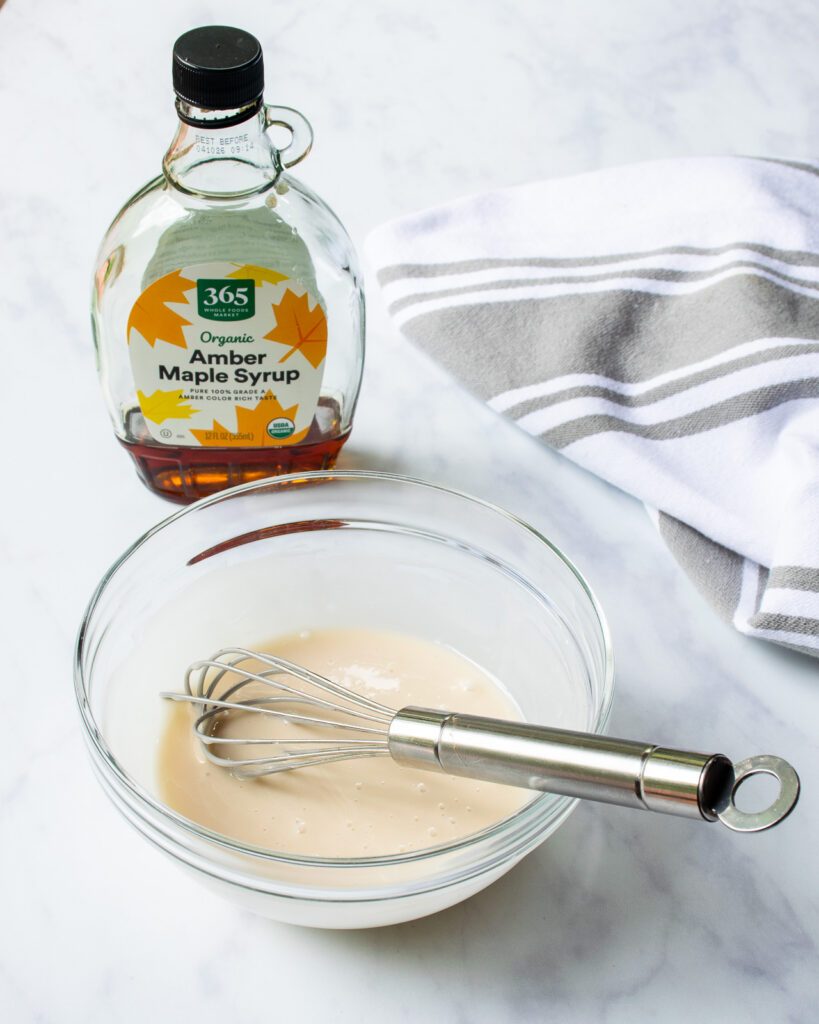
point(360, 808)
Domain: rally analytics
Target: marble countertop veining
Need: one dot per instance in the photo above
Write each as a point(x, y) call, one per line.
point(620, 917)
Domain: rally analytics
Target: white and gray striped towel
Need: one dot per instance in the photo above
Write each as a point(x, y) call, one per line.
point(659, 324)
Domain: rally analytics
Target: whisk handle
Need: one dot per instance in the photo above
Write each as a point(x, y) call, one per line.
point(588, 766)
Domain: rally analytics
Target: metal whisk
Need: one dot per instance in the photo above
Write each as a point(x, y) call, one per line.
point(236, 682)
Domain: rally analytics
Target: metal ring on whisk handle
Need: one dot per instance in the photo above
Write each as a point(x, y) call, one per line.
point(756, 821)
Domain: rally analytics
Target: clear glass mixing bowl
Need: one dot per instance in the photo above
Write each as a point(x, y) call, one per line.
point(336, 549)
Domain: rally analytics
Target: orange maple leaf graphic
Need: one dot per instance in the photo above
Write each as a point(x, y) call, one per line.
point(152, 318)
point(251, 427)
point(302, 328)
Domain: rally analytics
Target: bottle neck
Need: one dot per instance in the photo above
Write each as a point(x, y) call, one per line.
point(221, 153)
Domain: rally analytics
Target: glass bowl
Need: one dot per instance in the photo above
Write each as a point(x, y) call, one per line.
point(341, 549)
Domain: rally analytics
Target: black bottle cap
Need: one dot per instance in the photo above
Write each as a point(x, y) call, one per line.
point(218, 68)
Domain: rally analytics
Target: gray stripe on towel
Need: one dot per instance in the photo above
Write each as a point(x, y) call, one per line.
point(673, 387)
point(751, 403)
point(715, 571)
point(403, 271)
point(794, 577)
point(785, 623)
point(675, 276)
point(494, 347)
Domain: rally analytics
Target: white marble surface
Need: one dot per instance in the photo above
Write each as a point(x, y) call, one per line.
point(620, 917)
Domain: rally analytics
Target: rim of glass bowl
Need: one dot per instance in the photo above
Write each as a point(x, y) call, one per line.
point(560, 805)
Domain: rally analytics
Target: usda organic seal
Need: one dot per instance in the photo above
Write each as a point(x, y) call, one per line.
point(281, 427)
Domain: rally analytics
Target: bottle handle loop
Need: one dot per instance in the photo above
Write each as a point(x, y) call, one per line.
point(301, 134)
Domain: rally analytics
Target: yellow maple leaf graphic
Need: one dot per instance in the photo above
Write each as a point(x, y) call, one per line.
point(304, 329)
point(152, 318)
point(251, 427)
point(164, 405)
point(259, 274)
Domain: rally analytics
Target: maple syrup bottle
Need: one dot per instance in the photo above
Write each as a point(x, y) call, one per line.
point(228, 310)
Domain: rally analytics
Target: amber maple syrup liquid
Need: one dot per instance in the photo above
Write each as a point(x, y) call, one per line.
point(184, 474)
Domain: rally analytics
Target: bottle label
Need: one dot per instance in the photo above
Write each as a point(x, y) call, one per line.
point(227, 355)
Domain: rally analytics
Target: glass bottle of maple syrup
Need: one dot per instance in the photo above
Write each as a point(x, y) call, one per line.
point(228, 311)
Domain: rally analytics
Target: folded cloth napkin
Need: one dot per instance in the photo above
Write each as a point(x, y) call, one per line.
point(659, 324)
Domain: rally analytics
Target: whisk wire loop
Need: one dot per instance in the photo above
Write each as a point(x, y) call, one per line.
point(215, 685)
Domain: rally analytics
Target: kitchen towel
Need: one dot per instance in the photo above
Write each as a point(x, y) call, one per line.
point(659, 324)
